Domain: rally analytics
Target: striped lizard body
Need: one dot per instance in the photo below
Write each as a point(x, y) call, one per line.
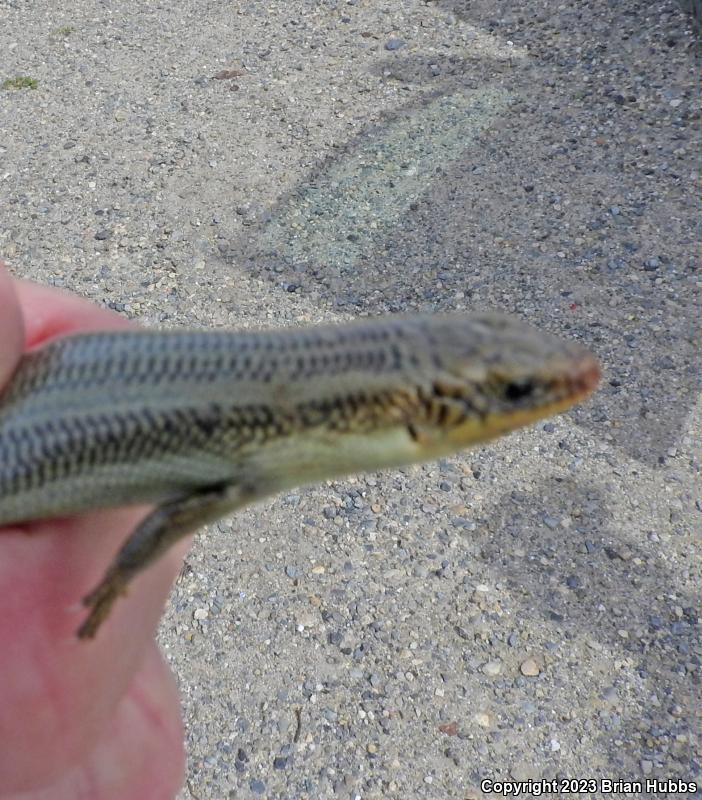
point(201, 423)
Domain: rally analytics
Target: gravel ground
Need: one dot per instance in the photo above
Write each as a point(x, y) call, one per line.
point(529, 610)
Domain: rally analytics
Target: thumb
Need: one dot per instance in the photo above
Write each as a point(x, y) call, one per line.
point(11, 326)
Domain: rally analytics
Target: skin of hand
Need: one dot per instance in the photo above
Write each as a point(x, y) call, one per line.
point(79, 720)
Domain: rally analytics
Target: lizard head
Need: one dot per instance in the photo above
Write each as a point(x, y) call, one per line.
point(492, 373)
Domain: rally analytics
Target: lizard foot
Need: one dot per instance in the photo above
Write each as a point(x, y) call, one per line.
point(100, 602)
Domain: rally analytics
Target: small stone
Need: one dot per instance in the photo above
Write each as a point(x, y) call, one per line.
point(257, 787)
point(646, 766)
point(492, 667)
point(449, 728)
point(529, 668)
point(306, 619)
point(201, 613)
point(609, 694)
point(482, 719)
point(228, 74)
point(292, 571)
point(394, 44)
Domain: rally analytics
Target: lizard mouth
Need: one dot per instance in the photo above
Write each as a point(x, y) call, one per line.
point(583, 378)
point(573, 383)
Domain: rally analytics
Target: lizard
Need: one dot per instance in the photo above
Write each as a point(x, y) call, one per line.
point(202, 423)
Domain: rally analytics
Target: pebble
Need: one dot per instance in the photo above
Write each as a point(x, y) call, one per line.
point(449, 728)
point(307, 619)
point(530, 668)
point(293, 572)
point(610, 694)
point(492, 668)
point(394, 44)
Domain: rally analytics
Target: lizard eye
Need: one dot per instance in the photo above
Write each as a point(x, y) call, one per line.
point(518, 390)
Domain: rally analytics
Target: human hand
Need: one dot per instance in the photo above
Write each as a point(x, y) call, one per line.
point(96, 719)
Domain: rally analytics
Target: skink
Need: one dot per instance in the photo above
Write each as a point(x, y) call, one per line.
point(201, 423)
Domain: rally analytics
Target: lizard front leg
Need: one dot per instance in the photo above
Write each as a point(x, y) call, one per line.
point(152, 538)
